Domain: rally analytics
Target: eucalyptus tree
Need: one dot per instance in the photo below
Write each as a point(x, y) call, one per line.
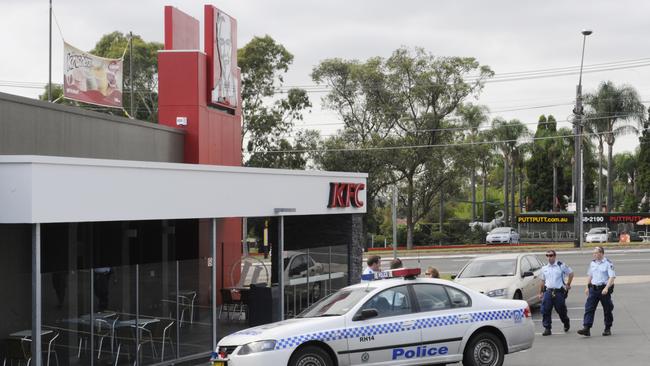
point(413, 94)
point(616, 111)
point(268, 120)
point(508, 136)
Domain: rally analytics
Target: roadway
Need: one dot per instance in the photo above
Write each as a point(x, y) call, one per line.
point(631, 330)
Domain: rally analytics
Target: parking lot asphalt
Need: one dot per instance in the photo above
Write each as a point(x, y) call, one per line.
point(629, 343)
point(630, 340)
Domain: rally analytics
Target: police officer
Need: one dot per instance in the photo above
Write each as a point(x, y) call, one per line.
point(600, 285)
point(553, 291)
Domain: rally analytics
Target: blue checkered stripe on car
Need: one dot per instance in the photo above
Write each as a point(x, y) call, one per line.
point(292, 342)
point(396, 327)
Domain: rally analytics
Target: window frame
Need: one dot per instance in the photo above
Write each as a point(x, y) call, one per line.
point(411, 300)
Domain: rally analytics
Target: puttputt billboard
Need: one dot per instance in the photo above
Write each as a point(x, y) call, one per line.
point(221, 49)
point(587, 218)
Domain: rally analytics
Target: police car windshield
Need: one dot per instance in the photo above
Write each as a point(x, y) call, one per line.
point(337, 303)
point(489, 268)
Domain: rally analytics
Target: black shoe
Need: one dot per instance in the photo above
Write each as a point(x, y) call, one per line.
point(547, 332)
point(585, 332)
point(567, 326)
point(607, 332)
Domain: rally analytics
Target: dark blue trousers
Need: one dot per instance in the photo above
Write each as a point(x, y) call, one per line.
point(548, 303)
point(590, 307)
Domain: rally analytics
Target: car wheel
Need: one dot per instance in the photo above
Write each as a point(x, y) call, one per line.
point(518, 295)
point(311, 356)
point(484, 349)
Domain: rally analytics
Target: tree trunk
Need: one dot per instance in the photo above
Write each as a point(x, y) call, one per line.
point(473, 195)
point(442, 211)
point(600, 174)
point(610, 173)
point(512, 194)
point(521, 189)
point(554, 188)
point(409, 214)
point(505, 190)
point(484, 195)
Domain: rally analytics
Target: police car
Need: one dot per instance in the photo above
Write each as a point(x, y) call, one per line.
point(400, 320)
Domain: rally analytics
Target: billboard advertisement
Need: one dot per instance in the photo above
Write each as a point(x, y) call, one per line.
point(92, 79)
point(222, 49)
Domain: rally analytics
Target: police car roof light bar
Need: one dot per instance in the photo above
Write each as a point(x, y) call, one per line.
point(408, 273)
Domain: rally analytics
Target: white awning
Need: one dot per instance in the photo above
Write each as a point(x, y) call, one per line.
point(42, 189)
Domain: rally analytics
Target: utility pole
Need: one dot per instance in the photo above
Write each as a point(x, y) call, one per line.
point(577, 131)
point(395, 222)
point(131, 72)
point(49, 84)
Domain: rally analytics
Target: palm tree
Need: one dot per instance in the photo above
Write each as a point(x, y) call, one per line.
point(485, 154)
point(508, 135)
point(472, 117)
point(620, 112)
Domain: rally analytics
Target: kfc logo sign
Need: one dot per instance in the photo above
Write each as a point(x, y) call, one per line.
point(345, 194)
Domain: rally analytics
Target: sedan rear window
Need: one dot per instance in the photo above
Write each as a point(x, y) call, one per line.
point(489, 268)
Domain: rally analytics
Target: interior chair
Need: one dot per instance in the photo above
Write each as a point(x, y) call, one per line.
point(125, 341)
point(15, 351)
point(104, 329)
point(163, 332)
point(186, 302)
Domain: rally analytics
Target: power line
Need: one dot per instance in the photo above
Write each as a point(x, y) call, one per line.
point(389, 148)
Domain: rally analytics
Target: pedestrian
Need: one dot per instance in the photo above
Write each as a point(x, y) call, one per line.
point(432, 272)
point(374, 265)
point(554, 291)
point(396, 263)
point(600, 285)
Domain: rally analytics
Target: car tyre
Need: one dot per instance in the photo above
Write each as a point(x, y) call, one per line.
point(484, 349)
point(518, 295)
point(311, 356)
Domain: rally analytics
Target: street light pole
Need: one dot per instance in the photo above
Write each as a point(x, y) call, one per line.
point(578, 124)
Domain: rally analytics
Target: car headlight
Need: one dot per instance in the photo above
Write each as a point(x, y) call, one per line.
point(498, 292)
point(259, 346)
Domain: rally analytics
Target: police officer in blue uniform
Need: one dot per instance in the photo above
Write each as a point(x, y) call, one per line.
point(600, 286)
point(554, 290)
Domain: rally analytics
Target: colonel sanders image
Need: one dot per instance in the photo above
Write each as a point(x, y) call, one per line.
point(226, 89)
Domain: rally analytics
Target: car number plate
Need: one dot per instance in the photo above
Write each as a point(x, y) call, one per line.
point(219, 363)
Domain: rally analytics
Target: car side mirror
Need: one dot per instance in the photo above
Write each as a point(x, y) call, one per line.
point(527, 274)
point(366, 314)
point(453, 276)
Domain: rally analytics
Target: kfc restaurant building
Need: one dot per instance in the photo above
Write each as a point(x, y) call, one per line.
point(122, 239)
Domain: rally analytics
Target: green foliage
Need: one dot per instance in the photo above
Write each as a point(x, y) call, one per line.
point(548, 155)
point(267, 120)
point(643, 162)
point(145, 72)
point(145, 76)
point(614, 111)
point(399, 101)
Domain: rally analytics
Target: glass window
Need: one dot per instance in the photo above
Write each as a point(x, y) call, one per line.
point(534, 263)
point(298, 265)
point(489, 268)
point(337, 303)
point(391, 302)
point(459, 299)
point(432, 297)
point(525, 265)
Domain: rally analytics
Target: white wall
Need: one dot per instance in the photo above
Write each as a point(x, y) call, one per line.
point(56, 189)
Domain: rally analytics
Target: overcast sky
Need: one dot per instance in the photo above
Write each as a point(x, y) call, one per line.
point(508, 36)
